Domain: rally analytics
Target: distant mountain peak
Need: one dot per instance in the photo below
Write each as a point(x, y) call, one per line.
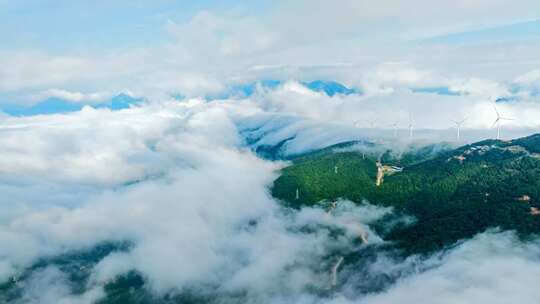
point(56, 105)
point(329, 87)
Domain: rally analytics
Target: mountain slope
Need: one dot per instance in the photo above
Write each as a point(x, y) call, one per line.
point(453, 195)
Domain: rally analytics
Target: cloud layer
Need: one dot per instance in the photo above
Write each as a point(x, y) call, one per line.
point(174, 181)
point(177, 182)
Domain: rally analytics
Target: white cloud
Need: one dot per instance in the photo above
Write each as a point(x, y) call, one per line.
point(190, 179)
point(72, 96)
point(394, 101)
point(202, 186)
point(481, 88)
point(228, 34)
point(397, 18)
point(52, 286)
point(27, 70)
point(213, 48)
point(530, 78)
point(491, 268)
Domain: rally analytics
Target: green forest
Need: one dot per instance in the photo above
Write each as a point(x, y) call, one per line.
point(453, 194)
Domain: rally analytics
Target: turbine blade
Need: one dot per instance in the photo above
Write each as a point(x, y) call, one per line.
point(496, 111)
point(495, 123)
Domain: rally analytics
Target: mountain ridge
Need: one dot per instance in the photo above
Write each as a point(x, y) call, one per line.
point(453, 195)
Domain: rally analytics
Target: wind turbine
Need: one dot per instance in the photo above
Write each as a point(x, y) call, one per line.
point(411, 126)
point(395, 127)
point(372, 123)
point(498, 122)
point(458, 124)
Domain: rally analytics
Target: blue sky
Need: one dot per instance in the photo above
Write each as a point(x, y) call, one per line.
point(510, 32)
point(160, 47)
point(63, 25)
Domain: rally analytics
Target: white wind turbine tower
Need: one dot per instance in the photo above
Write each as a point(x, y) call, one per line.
point(411, 127)
point(372, 123)
point(458, 124)
point(498, 122)
point(395, 127)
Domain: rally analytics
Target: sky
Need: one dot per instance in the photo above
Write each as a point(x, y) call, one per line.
point(194, 47)
point(137, 121)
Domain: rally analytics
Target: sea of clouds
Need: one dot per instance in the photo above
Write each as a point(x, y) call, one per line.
point(179, 181)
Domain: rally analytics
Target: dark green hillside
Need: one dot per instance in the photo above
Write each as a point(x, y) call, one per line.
point(454, 195)
point(316, 180)
point(76, 266)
